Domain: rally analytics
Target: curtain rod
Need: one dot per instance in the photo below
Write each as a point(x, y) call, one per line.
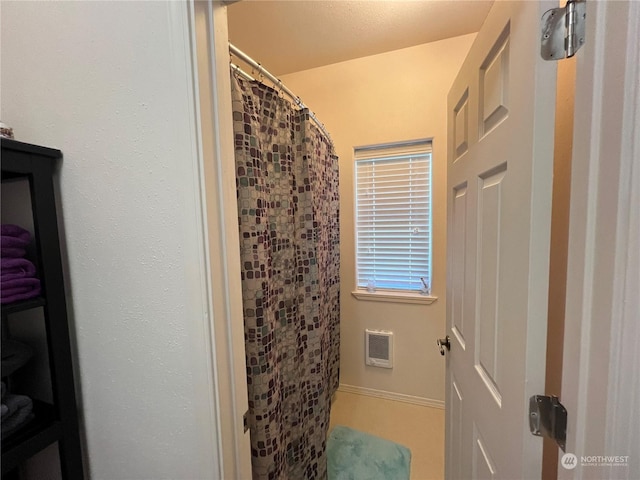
point(242, 72)
point(275, 80)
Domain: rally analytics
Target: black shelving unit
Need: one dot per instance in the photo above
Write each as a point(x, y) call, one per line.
point(57, 422)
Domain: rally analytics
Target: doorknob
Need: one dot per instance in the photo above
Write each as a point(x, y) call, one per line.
point(442, 343)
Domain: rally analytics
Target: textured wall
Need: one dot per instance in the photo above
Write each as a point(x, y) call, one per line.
point(400, 95)
point(109, 83)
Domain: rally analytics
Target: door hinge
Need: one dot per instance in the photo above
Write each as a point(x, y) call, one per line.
point(245, 421)
point(548, 418)
point(563, 30)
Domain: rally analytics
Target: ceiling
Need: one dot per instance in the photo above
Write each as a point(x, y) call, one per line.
point(294, 35)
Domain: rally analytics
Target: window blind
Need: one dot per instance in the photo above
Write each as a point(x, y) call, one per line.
point(393, 216)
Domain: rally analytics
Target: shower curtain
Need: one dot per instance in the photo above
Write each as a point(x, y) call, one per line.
point(287, 185)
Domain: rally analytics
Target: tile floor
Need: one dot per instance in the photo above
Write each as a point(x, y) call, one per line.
point(419, 428)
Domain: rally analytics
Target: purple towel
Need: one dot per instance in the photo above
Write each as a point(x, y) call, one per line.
point(17, 297)
point(12, 252)
point(9, 263)
point(19, 289)
point(18, 284)
point(11, 268)
point(11, 233)
point(13, 242)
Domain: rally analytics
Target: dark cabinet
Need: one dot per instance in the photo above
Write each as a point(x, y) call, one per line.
point(56, 421)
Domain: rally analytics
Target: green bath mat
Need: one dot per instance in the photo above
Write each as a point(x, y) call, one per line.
point(354, 455)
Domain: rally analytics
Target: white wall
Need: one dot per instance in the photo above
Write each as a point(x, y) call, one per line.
point(110, 84)
point(399, 95)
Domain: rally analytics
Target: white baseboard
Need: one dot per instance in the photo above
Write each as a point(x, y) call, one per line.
point(398, 397)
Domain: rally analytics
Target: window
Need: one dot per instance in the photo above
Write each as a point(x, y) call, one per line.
point(393, 218)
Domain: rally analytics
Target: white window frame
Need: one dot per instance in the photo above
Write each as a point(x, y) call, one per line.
point(368, 153)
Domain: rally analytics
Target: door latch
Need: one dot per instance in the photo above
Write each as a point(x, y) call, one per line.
point(442, 343)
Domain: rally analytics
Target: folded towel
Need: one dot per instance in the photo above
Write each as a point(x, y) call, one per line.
point(16, 232)
point(19, 413)
point(18, 283)
point(18, 289)
point(12, 252)
point(7, 241)
point(14, 403)
point(11, 265)
point(17, 295)
point(14, 355)
point(16, 268)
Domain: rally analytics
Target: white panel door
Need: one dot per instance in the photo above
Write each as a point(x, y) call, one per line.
point(500, 165)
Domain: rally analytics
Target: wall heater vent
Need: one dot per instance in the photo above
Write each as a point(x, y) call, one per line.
point(378, 348)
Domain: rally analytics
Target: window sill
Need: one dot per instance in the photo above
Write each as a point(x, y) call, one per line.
point(394, 297)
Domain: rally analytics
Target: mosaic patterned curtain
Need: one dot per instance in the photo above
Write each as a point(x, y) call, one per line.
point(287, 182)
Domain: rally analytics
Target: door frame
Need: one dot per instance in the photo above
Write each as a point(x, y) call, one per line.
point(601, 326)
point(212, 84)
point(600, 388)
